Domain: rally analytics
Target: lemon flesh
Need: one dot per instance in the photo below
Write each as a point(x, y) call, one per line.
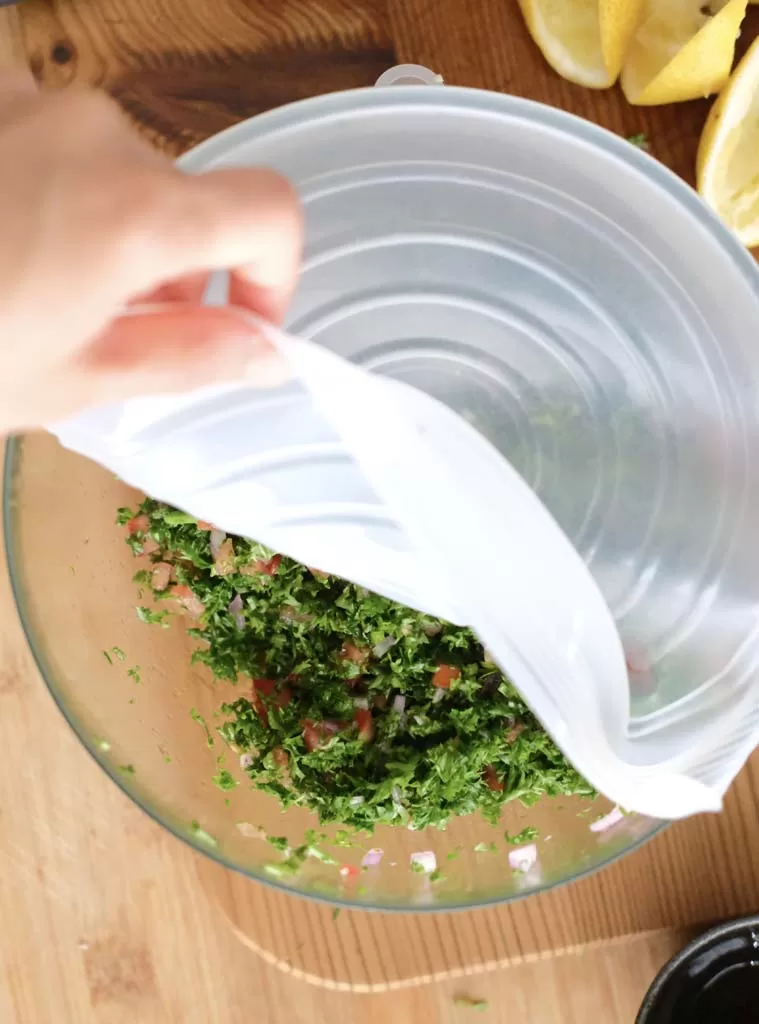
point(682, 50)
point(583, 40)
point(727, 166)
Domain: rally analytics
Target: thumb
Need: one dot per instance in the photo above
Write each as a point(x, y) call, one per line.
point(175, 348)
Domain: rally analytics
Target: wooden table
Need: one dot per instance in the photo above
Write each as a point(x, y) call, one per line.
point(102, 917)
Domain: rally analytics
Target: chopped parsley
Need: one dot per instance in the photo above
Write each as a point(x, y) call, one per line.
point(115, 652)
point(225, 780)
point(196, 716)
point(527, 835)
point(135, 673)
point(468, 1003)
point(640, 140)
point(201, 834)
point(279, 843)
point(127, 769)
point(349, 704)
point(152, 618)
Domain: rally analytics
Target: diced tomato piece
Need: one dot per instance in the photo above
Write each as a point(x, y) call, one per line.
point(161, 576)
point(312, 735)
point(188, 600)
point(315, 734)
point(350, 652)
point(262, 567)
point(365, 724)
point(284, 697)
point(491, 779)
point(280, 757)
point(636, 662)
point(263, 691)
point(203, 525)
point(138, 524)
point(444, 675)
point(642, 679)
point(261, 688)
point(516, 730)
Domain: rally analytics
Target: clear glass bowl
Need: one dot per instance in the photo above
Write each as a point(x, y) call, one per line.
point(72, 577)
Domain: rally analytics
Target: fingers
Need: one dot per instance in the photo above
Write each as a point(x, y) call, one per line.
point(17, 88)
point(190, 288)
point(148, 352)
point(247, 221)
point(179, 347)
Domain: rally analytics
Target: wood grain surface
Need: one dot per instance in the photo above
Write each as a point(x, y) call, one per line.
point(103, 917)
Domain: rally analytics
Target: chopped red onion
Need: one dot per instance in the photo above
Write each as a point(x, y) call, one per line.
point(438, 695)
point(426, 860)
point(235, 610)
point(523, 858)
point(399, 704)
point(250, 831)
point(216, 539)
point(361, 702)
point(372, 858)
point(161, 576)
point(246, 760)
point(384, 646)
point(614, 815)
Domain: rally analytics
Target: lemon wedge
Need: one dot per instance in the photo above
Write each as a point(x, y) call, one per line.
point(727, 165)
point(585, 40)
point(682, 49)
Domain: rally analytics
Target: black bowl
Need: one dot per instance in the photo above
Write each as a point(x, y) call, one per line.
point(714, 980)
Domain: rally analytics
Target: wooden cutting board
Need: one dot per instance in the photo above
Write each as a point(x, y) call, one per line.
point(184, 69)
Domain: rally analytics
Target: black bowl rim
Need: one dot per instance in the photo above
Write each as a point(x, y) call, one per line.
point(709, 939)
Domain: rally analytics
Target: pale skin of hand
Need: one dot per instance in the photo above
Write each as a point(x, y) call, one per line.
point(93, 221)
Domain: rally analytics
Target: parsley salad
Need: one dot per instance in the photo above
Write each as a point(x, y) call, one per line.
point(349, 704)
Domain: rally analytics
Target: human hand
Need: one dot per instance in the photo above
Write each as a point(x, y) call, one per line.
point(93, 220)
